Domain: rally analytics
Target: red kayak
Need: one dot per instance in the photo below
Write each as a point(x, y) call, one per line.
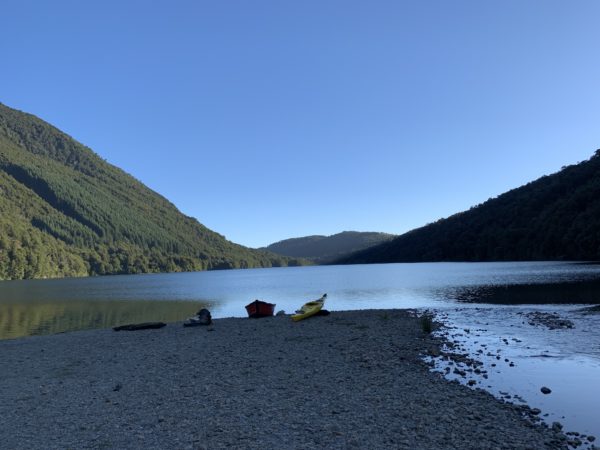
point(258, 308)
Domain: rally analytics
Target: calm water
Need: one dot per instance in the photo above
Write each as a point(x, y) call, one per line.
point(487, 297)
point(50, 306)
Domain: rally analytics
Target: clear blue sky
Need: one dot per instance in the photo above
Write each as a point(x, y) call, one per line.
point(274, 119)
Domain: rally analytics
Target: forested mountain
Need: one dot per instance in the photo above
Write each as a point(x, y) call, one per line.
point(66, 212)
point(556, 217)
point(324, 249)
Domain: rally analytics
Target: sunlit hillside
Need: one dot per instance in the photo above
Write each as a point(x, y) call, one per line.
point(556, 217)
point(64, 211)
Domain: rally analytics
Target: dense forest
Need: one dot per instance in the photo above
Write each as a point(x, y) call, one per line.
point(324, 249)
point(556, 217)
point(64, 211)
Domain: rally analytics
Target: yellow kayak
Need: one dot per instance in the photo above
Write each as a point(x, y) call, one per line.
point(309, 309)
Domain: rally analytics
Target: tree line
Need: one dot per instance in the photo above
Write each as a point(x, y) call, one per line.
point(556, 217)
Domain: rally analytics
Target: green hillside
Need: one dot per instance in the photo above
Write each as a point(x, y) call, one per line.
point(323, 249)
point(556, 217)
point(66, 212)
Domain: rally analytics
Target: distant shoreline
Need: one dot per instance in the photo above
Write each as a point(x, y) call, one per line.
point(313, 264)
point(353, 379)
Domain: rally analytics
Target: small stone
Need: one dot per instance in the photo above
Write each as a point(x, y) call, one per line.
point(591, 438)
point(545, 390)
point(434, 352)
point(535, 411)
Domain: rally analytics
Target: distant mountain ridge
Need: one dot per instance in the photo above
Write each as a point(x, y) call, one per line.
point(323, 249)
point(64, 211)
point(556, 217)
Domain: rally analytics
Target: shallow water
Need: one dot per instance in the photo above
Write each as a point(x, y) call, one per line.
point(519, 359)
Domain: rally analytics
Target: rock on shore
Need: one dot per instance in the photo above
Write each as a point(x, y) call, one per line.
point(352, 379)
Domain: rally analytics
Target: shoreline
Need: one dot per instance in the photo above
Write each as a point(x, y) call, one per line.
point(353, 379)
point(521, 356)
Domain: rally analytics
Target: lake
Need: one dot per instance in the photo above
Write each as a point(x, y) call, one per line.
point(490, 298)
point(33, 307)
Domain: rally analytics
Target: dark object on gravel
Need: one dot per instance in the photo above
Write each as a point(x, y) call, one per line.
point(258, 309)
point(203, 317)
point(140, 326)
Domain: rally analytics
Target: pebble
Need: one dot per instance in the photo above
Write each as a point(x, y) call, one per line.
point(550, 320)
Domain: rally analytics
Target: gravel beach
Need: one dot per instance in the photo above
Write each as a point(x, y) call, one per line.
point(353, 379)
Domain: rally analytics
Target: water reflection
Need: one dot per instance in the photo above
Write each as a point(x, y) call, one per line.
point(580, 292)
point(53, 306)
point(31, 318)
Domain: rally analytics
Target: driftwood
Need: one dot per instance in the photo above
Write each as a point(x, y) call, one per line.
point(140, 326)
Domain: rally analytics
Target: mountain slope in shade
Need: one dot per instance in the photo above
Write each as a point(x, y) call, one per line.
point(323, 249)
point(556, 217)
point(66, 212)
